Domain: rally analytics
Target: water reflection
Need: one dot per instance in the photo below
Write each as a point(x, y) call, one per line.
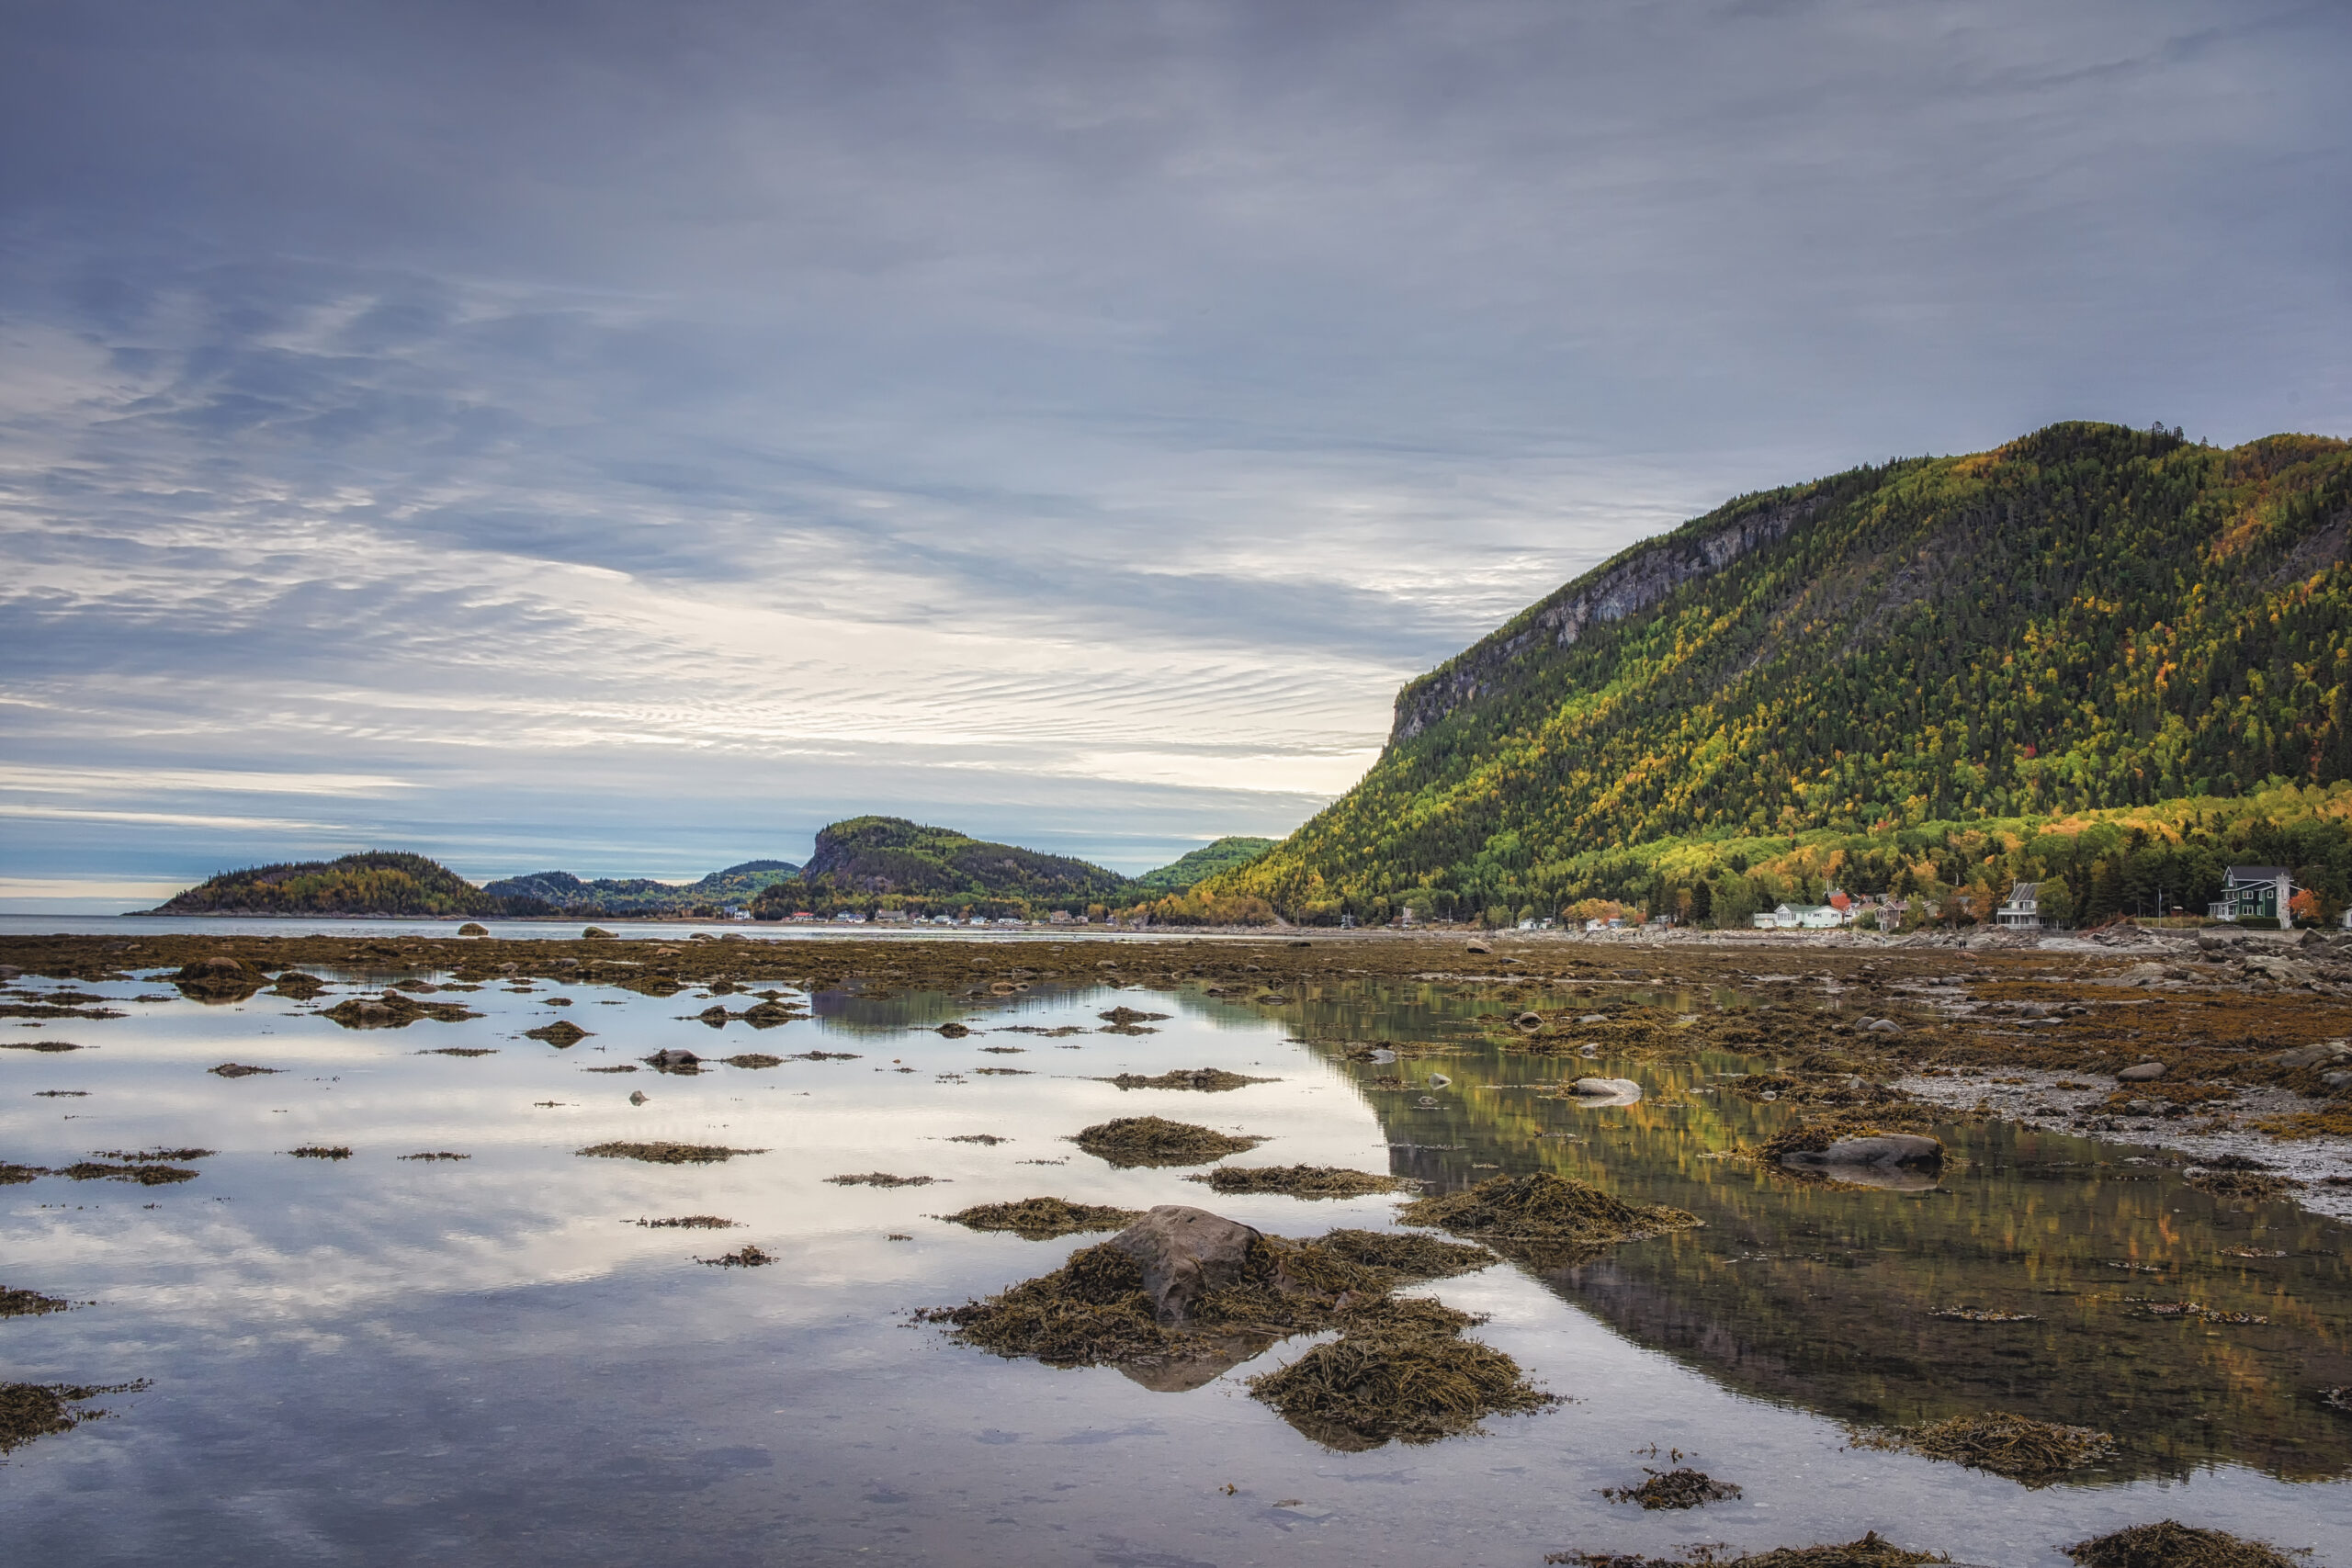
point(490, 1360)
point(1825, 1298)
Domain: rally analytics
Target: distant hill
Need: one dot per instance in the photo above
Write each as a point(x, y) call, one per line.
point(376, 882)
point(560, 890)
point(2088, 620)
point(888, 862)
point(1206, 862)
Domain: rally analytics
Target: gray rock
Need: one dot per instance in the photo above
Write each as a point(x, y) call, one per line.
point(2143, 1072)
point(639, 1096)
point(1185, 1253)
point(1607, 1091)
point(1885, 1150)
point(1476, 946)
point(1885, 1026)
point(1594, 1018)
point(2337, 1080)
point(673, 1057)
point(2326, 1053)
point(1528, 1022)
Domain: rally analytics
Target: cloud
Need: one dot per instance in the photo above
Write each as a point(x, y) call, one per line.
point(642, 434)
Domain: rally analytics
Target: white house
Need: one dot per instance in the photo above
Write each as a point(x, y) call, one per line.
point(1801, 917)
point(2023, 910)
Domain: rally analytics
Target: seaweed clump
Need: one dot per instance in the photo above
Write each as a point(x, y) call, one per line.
point(1544, 1210)
point(394, 1010)
point(881, 1179)
point(1870, 1552)
point(1414, 1257)
point(2019, 1447)
point(29, 1304)
point(666, 1153)
point(1090, 1312)
point(1209, 1080)
point(1303, 1180)
point(321, 1151)
point(29, 1410)
point(1097, 1309)
point(1680, 1488)
point(2171, 1544)
point(563, 1034)
point(1154, 1141)
point(747, 1256)
point(146, 1174)
point(2239, 1183)
point(1401, 1371)
point(1814, 1136)
point(1042, 1218)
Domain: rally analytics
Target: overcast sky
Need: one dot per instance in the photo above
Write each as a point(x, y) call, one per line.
point(626, 437)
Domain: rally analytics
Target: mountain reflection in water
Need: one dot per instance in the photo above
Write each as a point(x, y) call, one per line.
point(1823, 1297)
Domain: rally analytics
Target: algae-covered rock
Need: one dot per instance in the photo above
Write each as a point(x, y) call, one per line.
point(1401, 1371)
point(562, 1033)
point(2036, 1452)
point(1041, 1219)
point(1154, 1141)
point(219, 978)
point(666, 1153)
point(1184, 1254)
point(394, 1010)
point(2171, 1544)
point(1871, 1551)
point(1303, 1180)
point(1885, 1150)
point(1544, 1209)
point(1209, 1080)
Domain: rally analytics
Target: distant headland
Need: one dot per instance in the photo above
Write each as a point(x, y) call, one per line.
point(880, 868)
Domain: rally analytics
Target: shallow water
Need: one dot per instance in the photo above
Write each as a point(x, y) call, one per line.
point(371, 1361)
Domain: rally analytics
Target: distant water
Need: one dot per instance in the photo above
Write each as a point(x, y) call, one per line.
point(523, 931)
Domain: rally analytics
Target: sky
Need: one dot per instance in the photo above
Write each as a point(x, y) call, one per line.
point(624, 438)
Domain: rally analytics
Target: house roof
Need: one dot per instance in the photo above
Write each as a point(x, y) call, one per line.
point(2020, 892)
point(2255, 874)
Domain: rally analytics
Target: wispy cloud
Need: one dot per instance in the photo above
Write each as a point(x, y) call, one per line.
point(660, 434)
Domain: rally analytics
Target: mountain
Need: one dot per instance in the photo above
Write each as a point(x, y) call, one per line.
point(371, 884)
point(560, 890)
point(887, 862)
point(2087, 622)
point(1206, 862)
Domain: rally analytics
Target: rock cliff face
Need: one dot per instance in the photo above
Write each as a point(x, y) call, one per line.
point(1626, 586)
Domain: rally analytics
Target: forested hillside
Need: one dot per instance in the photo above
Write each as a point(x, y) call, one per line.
point(870, 863)
point(2088, 619)
point(1206, 862)
point(735, 886)
point(371, 884)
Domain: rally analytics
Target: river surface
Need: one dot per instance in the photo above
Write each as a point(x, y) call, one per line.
point(488, 1360)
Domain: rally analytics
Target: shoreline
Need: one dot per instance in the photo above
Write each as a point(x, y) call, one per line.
point(1985, 1027)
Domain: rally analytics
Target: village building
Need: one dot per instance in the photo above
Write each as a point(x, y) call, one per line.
point(2022, 910)
point(2254, 893)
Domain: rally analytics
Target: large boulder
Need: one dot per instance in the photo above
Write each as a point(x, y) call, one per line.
point(2142, 1072)
point(1884, 1151)
point(1606, 1091)
point(2327, 1054)
point(1185, 1253)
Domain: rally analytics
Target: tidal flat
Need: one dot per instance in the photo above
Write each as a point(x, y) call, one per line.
point(437, 1288)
